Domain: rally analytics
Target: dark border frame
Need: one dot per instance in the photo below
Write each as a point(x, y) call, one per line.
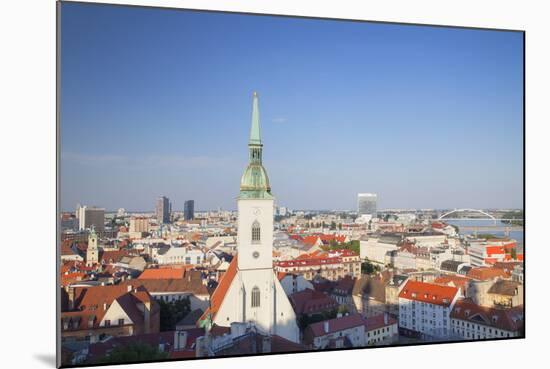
point(58, 177)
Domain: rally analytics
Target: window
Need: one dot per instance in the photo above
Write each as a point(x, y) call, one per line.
point(107, 323)
point(255, 232)
point(121, 322)
point(255, 297)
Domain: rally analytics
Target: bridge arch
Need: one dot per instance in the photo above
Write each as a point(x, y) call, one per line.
point(470, 210)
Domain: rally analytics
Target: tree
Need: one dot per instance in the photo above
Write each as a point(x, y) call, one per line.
point(515, 217)
point(340, 226)
point(305, 319)
point(369, 268)
point(342, 309)
point(513, 253)
point(487, 236)
point(333, 225)
point(131, 353)
point(172, 312)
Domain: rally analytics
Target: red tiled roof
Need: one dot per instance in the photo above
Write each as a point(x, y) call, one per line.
point(309, 262)
point(343, 252)
point(93, 303)
point(377, 321)
point(332, 237)
point(486, 273)
point(113, 256)
point(100, 349)
point(507, 266)
point(68, 278)
point(310, 302)
point(511, 320)
point(312, 239)
point(183, 285)
point(446, 280)
point(164, 273)
point(429, 293)
point(336, 325)
point(345, 284)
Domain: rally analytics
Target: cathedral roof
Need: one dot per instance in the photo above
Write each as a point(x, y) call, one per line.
point(218, 296)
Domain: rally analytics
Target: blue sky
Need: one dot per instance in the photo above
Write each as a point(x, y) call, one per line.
point(158, 102)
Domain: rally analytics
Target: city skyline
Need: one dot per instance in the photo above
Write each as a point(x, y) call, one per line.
point(328, 111)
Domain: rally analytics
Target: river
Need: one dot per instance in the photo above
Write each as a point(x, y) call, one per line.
point(516, 235)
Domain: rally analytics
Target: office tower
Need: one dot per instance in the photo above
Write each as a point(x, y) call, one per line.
point(163, 210)
point(189, 210)
point(91, 216)
point(139, 225)
point(366, 204)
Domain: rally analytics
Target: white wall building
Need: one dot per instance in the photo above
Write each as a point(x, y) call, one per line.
point(293, 283)
point(474, 322)
point(425, 308)
point(376, 247)
point(91, 216)
point(177, 255)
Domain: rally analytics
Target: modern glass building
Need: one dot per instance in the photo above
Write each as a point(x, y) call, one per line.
point(366, 204)
point(163, 210)
point(189, 209)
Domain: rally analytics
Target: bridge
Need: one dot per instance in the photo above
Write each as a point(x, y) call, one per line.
point(489, 216)
point(489, 229)
point(506, 228)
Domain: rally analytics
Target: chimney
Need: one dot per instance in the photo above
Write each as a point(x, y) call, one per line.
point(128, 288)
point(385, 318)
point(325, 326)
point(180, 340)
point(70, 293)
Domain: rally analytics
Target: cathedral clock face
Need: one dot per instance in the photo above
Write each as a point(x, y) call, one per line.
point(255, 254)
point(257, 211)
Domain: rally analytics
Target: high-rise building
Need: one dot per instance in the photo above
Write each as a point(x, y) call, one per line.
point(139, 225)
point(91, 216)
point(250, 291)
point(163, 210)
point(189, 210)
point(366, 204)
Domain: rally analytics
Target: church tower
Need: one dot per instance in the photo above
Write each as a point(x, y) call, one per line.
point(249, 291)
point(255, 205)
point(92, 250)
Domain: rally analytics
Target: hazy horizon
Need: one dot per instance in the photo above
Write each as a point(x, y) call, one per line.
point(158, 102)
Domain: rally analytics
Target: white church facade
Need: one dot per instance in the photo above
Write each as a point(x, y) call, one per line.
point(250, 292)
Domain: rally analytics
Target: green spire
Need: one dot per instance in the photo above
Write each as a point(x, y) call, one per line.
point(255, 182)
point(255, 136)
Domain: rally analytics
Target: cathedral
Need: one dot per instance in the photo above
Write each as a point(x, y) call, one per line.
point(249, 291)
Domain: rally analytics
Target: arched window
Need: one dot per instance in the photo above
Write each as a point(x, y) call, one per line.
point(256, 232)
point(255, 297)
